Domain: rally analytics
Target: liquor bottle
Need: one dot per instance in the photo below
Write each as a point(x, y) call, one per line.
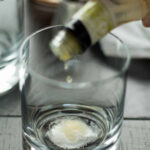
point(94, 20)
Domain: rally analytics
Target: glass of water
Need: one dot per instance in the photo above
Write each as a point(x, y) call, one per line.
point(73, 105)
point(11, 36)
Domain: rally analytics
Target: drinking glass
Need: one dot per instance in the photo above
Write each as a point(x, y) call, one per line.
point(11, 36)
point(73, 105)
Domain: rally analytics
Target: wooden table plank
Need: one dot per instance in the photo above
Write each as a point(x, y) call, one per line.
point(137, 100)
point(137, 95)
point(10, 133)
point(135, 135)
point(138, 90)
point(10, 104)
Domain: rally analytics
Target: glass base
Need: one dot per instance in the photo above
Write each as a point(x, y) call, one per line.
point(72, 127)
point(8, 77)
point(26, 146)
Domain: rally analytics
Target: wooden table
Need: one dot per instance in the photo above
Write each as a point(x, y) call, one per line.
point(136, 127)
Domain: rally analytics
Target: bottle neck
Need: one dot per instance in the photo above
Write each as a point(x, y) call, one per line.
point(96, 18)
point(100, 16)
point(79, 31)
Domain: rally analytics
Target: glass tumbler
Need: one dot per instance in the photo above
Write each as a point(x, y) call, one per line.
point(72, 105)
point(11, 36)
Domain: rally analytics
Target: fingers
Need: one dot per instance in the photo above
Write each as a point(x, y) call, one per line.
point(146, 20)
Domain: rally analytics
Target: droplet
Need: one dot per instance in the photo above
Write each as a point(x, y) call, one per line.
point(66, 66)
point(69, 79)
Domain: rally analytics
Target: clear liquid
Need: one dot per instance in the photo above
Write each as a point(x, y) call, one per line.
point(43, 128)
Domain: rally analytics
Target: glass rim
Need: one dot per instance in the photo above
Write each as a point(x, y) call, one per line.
point(64, 84)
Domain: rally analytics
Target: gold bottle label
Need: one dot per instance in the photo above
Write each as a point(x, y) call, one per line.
point(96, 18)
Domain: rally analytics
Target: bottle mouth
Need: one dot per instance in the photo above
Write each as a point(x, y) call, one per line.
point(78, 37)
point(25, 52)
point(63, 49)
point(80, 32)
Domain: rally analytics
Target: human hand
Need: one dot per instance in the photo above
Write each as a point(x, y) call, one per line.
point(146, 20)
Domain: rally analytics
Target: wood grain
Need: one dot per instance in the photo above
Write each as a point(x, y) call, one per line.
point(135, 134)
point(10, 105)
point(138, 89)
point(136, 102)
point(10, 134)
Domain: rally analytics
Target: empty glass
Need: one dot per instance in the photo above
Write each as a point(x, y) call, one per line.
point(11, 36)
point(75, 105)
